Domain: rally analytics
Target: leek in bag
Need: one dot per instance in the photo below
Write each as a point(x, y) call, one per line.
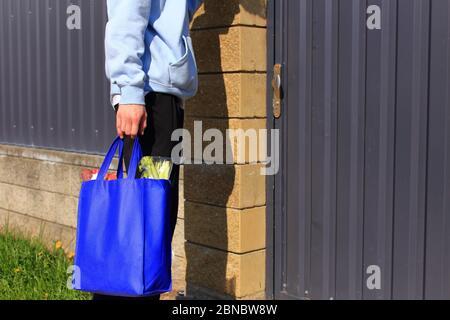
point(155, 167)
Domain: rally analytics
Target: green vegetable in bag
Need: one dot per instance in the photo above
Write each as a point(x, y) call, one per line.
point(155, 167)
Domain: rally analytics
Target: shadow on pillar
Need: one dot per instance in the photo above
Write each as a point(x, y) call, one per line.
point(206, 263)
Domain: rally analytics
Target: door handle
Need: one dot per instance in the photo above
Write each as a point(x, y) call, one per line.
point(276, 88)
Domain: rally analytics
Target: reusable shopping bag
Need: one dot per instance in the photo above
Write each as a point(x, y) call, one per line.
point(123, 244)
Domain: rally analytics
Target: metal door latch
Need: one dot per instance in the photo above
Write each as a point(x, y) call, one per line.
point(276, 87)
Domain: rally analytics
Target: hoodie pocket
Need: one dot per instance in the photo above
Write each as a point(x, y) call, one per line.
point(183, 73)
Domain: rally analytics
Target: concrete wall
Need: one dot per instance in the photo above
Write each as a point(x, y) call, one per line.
point(39, 191)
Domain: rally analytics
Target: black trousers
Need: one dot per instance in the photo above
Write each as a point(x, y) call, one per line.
point(164, 115)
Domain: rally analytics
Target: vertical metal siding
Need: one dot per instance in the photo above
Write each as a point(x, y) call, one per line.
point(437, 233)
point(350, 168)
point(323, 147)
point(411, 149)
point(378, 150)
point(366, 150)
point(53, 90)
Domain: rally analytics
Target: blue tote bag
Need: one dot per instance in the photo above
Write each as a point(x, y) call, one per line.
point(123, 244)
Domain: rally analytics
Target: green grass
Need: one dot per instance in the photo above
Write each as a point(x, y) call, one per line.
point(29, 271)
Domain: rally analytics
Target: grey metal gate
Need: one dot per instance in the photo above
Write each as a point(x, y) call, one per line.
point(365, 126)
point(53, 90)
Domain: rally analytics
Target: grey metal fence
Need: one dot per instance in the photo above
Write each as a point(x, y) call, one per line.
point(53, 90)
point(365, 181)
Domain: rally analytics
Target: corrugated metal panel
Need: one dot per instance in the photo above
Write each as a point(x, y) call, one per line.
point(365, 162)
point(437, 233)
point(53, 90)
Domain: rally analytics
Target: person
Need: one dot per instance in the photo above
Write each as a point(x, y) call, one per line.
point(151, 66)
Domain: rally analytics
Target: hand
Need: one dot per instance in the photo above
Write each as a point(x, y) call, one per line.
point(130, 120)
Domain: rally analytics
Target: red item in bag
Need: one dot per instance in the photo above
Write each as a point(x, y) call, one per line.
point(91, 174)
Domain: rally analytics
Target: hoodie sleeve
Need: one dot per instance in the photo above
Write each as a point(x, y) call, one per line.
point(193, 6)
point(124, 47)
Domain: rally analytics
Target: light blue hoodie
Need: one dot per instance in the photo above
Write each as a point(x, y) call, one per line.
point(148, 48)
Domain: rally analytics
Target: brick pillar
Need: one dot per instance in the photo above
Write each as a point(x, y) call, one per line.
point(224, 216)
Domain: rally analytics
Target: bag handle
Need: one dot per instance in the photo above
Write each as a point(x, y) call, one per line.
point(120, 163)
point(135, 158)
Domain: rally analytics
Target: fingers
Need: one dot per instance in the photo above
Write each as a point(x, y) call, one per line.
point(134, 128)
point(128, 125)
point(123, 126)
point(131, 121)
point(119, 126)
point(143, 124)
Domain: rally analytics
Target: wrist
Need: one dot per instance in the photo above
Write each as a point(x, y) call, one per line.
point(132, 95)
